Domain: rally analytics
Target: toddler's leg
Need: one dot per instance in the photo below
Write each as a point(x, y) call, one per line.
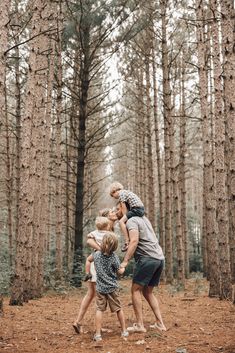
point(124, 230)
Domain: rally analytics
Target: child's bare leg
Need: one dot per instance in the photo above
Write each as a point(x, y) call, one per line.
point(121, 319)
point(124, 230)
point(98, 321)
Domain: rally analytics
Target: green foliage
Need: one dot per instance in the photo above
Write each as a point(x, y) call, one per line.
point(5, 270)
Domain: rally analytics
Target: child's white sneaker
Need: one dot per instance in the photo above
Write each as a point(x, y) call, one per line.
point(125, 334)
point(97, 338)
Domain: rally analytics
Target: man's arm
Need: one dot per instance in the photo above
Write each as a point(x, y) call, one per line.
point(134, 239)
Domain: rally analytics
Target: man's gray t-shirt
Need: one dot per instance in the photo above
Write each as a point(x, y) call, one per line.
point(148, 244)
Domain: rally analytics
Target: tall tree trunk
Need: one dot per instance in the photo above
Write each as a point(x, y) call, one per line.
point(25, 284)
point(167, 112)
point(79, 211)
point(58, 176)
point(220, 168)
point(182, 169)
point(208, 183)
point(150, 180)
point(159, 166)
point(227, 24)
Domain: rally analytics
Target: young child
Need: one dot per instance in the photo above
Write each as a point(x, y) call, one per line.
point(131, 206)
point(107, 266)
point(102, 226)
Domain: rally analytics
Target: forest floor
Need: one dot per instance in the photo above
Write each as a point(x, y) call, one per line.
point(196, 324)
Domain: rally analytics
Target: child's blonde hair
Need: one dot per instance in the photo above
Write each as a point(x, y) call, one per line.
point(102, 223)
point(109, 243)
point(115, 187)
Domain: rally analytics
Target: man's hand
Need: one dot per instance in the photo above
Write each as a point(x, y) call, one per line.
point(124, 264)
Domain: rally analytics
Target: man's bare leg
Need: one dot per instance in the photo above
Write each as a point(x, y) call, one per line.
point(136, 291)
point(153, 302)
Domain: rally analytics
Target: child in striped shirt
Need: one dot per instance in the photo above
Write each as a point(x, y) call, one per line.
point(131, 206)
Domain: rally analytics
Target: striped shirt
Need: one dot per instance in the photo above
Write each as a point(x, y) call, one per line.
point(130, 198)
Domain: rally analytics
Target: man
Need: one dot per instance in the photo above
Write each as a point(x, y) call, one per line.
point(149, 260)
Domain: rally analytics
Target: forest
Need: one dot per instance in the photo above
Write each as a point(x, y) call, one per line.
point(97, 91)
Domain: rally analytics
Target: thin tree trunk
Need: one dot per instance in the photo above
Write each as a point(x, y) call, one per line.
point(167, 112)
point(150, 179)
point(182, 170)
point(159, 166)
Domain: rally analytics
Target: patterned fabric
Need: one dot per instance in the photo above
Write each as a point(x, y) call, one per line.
point(106, 272)
point(97, 235)
point(130, 198)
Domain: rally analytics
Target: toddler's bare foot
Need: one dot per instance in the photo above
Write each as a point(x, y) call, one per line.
point(125, 247)
point(87, 277)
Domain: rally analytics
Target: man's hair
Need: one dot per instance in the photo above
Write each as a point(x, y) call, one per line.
point(104, 212)
point(109, 243)
point(115, 187)
point(102, 223)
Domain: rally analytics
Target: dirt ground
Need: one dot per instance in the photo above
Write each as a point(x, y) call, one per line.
point(196, 324)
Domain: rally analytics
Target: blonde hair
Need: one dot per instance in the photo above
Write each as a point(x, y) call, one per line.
point(116, 186)
point(102, 223)
point(109, 243)
point(104, 212)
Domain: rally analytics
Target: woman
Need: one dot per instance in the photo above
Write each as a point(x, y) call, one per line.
point(90, 295)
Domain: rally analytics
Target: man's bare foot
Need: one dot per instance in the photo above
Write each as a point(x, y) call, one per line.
point(159, 326)
point(136, 328)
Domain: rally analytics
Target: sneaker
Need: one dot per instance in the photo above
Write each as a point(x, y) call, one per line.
point(97, 338)
point(125, 334)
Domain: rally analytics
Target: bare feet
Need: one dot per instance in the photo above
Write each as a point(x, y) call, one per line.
point(159, 326)
point(124, 247)
point(77, 328)
point(136, 328)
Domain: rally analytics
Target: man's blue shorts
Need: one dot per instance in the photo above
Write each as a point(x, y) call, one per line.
point(147, 271)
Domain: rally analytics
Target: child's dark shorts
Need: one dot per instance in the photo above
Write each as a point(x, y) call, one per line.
point(102, 299)
point(148, 271)
point(135, 211)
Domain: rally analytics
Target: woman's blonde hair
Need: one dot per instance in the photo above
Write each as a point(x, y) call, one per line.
point(115, 187)
point(102, 223)
point(109, 243)
point(104, 212)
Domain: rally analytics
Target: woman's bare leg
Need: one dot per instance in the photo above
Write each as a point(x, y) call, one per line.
point(86, 301)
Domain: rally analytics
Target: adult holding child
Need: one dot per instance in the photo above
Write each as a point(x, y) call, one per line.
point(149, 263)
point(104, 223)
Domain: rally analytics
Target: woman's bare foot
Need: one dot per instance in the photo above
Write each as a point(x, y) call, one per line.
point(78, 328)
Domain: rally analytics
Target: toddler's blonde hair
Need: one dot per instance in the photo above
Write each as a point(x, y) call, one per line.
point(115, 187)
point(109, 243)
point(102, 223)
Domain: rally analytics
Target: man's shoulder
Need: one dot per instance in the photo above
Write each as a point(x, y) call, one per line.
point(135, 221)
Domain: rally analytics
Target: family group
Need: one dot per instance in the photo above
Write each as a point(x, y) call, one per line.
point(103, 266)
